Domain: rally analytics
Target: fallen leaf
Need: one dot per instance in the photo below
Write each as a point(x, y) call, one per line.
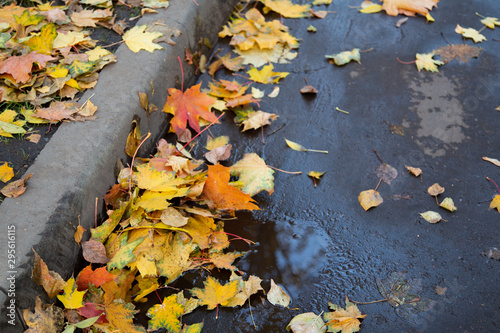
point(316, 175)
point(408, 7)
point(79, 234)
point(311, 28)
point(345, 57)
point(368, 7)
point(414, 171)
point(94, 252)
point(246, 289)
point(254, 174)
point(214, 293)
point(307, 89)
point(307, 323)
point(167, 31)
point(20, 67)
point(386, 172)
point(470, 33)
point(57, 111)
point(440, 290)
point(274, 93)
point(43, 43)
point(277, 295)
point(15, 188)
point(435, 189)
point(34, 138)
point(286, 8)
point(97, 277)
point(492, 253)
point(425, 61)
point(321, 2)
point(401, 21)
point(218, 154)
point(448, 204)
point(172, 217)
point(495, 203)
point(431, 217)
point(51, 281)
point(318, 13)
point(120, 316)
point(134, 137)
point(138, 39)
point(490, 22)
point(460, 52)
point(266, 75)
point(222, 195)
point(6, 172)
point(369, 198)
point(492, 160)
point(45, 318)
point(343, 320)
point(299, 147)
point(257, 120)
point(71, 298)
point(189, 107)
point(166, 315)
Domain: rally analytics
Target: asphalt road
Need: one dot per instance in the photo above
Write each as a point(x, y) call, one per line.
point(318, 242)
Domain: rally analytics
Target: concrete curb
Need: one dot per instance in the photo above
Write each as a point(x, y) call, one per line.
point(76, 165)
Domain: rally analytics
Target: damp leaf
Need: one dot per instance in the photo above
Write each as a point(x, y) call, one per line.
point(298, 147)
point(386, 172)
point(97, 277)
point(368, 7)
point(408, 7)
point(345, 57)
point(218, 154)
point(492, 160)
point(246, 289)
point(120, 316)
point(188, 107)
point(495, 203)
point(435, 189)
point(6, 172)
point(51, 281)
point(71, 298)
point(165, 315)
point(307, 323)
point(490, 22)
point(20, 67)
point(426, 61)
point(215, 293)
point(277, 295)
point(431, 216)
point(220, 141)
point(470, 33)
point(308, 89)
point(316, 174)
point(414, 171)
point(221, 195)
point(343, 320)
point(448, 204)
point(369, 198)
point(266, 75)
point(311, 28)
point(138, 39)
point(45, 318)
point(257, 120)
point(286, 8)
point(254, 174)
point(460, 52)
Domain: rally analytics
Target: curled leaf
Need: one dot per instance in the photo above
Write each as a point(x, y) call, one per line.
point(414, 171)
point(369, 198)
point(431, 217)
point(277, 296)
point(435, 189)
point(448, 204)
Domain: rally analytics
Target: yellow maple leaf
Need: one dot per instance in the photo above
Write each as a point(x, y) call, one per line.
point(58, 71)
point(46, 318)
point(213, 143)
point(6, 172)
point(345, 320)
point(257, 120)
point(138, 39)
point(72, 38)
point(490, 22)
point(43, 43)
point(286, 8)
point(71, 298)
point(215, 294)
point(149, 178)
point(408, 7)
point(470, 33)
point(266, 75)
point(495, 203)
point(120, 316)
point(425, 61)
point(166, 315)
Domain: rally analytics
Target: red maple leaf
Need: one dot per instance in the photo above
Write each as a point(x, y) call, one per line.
point(189, 106)
point(20, 66)
point(98, 277)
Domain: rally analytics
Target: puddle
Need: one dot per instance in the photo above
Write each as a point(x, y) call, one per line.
point(435, 101)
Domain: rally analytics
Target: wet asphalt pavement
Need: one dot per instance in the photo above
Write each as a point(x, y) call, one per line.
point(318, 242)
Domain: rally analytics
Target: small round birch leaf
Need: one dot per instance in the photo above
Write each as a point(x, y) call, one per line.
point(386, 172)
point(277, 296)
point(435, 189)
point(448, 204)
point(369, 198)
point(307, 323)
point(431, 217)
point(414, 171)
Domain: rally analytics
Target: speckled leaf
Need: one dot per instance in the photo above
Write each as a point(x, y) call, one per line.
point(255, 175)
point(166, 315)
point(124, 255)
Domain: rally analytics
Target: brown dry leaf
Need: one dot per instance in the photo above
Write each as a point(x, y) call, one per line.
point(408, 7)
point(51, 281)
point(35, 138)
point(369, 198)
point(414, 171)
point(134, 137)
point(79, 234)
point(15, 188)
point(459, 52)
point(257, 120)
point(20, 67)
point(218, 154)
point(386, 172)
point(57, 111)
point(308, 90)
point(167, 31)
point(345, 320)
point(492, 160)
point(94, 252)
point(440, 290)
point(492, 253)
point(435, 189)
point(46, 318)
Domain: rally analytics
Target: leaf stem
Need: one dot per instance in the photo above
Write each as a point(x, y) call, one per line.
point(288, 172)
point(104, 46)
point(378, 156)
point(132, 165)
point(197, 135)
point(405, 63)
point(339, 110)
point(379, 181)
point(491, 180)
point(481, 16)
point(182, 73)
point(370, 49)
point(372, 302)
point(317, 151)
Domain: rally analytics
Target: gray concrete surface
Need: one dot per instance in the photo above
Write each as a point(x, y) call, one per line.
point(76, 166)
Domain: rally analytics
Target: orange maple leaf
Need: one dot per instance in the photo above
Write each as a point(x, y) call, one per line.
point(189, 106)
point(223, 196)
point(408, 7)
point(98, 277)
point(20, 66)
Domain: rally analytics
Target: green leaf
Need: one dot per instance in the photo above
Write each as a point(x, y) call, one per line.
point(27, 19)
point(124, 255)
point(79, 67)
point(166, 315)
